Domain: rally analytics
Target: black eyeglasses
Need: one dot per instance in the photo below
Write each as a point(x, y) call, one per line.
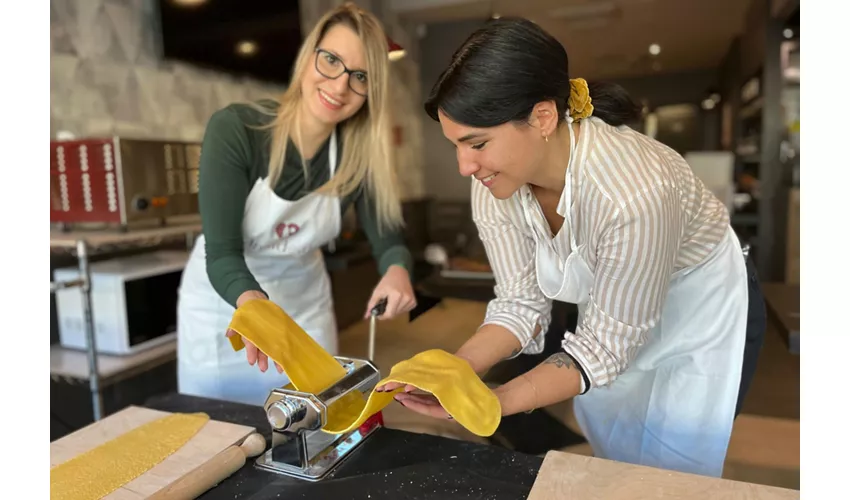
point(330, 66)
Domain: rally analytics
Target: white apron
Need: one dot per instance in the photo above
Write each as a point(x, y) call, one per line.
point(282, 250)
point(673, 408)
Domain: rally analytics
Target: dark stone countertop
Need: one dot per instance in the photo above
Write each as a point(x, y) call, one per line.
point(390, 464)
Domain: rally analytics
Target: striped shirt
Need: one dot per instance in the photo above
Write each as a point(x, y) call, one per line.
point(639, 215)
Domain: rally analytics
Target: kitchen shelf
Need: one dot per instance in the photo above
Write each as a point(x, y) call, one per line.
point(86, 364)
point(752, 109)
point(113, 240)
point(71, 365)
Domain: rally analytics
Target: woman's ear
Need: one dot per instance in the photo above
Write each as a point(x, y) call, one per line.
point(544, 117)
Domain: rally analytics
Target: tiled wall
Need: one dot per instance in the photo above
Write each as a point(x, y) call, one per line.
point(106, 78)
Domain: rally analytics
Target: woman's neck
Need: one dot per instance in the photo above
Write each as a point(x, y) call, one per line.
point(553, 169)
point(311, 132)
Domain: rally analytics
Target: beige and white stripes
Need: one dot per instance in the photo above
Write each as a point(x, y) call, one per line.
point(641, 215)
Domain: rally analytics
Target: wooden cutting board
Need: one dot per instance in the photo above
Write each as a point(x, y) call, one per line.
point(212, 439)
point(567, 475)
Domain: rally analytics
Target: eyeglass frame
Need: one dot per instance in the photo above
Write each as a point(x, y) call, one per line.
point(344, 70)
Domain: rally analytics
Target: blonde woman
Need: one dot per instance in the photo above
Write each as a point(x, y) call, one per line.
point(275, 179)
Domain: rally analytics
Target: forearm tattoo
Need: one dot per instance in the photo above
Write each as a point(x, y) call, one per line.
point(560, 360)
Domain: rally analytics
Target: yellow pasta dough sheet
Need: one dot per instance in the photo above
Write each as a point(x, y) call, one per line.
point(105, 468)
point(312, 369)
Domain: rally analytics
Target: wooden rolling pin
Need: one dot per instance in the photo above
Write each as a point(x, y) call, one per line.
point(201, 479)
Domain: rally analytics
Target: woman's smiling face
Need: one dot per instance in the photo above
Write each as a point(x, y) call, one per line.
point(331, 100)
point(503, 158)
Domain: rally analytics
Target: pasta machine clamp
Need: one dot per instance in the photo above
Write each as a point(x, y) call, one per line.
point(300, 448)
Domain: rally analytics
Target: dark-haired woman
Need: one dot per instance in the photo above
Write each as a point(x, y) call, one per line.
point(573, 205)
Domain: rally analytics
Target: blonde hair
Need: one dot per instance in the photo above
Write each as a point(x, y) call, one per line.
point(367, 157)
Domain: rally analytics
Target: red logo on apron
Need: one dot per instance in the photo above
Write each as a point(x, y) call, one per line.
point(284, 230)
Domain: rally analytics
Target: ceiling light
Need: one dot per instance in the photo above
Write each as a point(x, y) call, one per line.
point(708, 104)
point(189, 3)
point(788, 33)
point(655, 49)
point(246, 48)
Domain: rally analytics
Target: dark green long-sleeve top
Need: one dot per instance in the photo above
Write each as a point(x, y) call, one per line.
point(233, 156)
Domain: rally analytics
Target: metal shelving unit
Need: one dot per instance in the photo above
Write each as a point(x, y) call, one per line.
point(84, 245)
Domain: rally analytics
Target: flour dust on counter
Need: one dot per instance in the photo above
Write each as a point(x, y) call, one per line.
point(431, 481)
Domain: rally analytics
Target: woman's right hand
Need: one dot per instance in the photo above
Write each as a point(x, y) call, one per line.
point(253, 354)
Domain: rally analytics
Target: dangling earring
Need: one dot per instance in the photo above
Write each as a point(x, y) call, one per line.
point(546, 138)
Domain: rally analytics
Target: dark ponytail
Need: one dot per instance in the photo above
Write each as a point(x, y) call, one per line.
point(508, 66)
point(612, 103)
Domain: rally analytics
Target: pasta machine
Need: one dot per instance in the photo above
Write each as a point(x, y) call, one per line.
point(300, 448)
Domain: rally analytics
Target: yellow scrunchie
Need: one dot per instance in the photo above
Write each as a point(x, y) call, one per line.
point(579, 101)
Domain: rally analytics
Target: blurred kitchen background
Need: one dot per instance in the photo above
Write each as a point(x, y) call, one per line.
point(718, 82)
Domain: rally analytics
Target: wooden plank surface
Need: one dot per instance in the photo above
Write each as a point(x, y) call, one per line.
point(792, 244)
point(212, 439)
point(566, 475)
point(783, 303)
point(784, 300)
point(768, 442)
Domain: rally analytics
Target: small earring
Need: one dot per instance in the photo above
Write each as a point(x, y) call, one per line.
point(546, 138)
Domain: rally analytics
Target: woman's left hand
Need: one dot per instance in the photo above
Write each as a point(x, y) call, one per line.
point(420, 402)
point(424, 404)
point(396, 287)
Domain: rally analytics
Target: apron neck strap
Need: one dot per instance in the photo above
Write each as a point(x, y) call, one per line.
point(568, 186)
point(332, 154)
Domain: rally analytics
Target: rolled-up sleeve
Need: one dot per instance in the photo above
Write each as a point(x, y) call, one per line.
point(635, 258)
point(519, 305)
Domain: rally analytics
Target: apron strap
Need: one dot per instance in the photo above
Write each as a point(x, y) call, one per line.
point(568, 188)
point(332, 160)
point(332, 154)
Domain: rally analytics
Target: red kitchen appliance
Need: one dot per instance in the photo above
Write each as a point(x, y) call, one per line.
point(122, 181)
